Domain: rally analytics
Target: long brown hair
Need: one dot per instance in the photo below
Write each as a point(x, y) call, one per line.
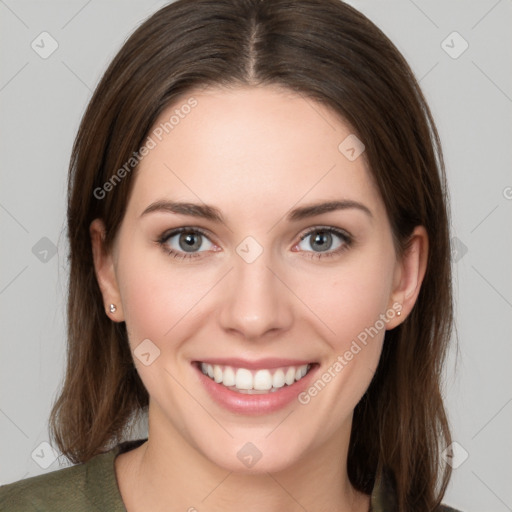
point(326, 51)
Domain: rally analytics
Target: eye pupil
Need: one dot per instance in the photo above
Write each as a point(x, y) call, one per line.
point(323, 240)
point(190, 241)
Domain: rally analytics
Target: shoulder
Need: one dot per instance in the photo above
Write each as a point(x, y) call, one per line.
point(383, 498)
point(85, 487)
point(55, 490)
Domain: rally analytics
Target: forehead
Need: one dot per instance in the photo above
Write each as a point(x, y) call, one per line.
point(250, 147)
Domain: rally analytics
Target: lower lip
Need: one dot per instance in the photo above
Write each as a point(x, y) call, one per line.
point(244, 403)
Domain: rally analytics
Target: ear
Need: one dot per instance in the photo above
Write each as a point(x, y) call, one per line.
point(409, 273)
point(105, 271)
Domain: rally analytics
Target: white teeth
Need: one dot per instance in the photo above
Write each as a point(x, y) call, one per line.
point(217, 373)
point(262, 380)
point(243, 378)
point(228, 378)
point(278, 379)
point(289, 378)
point(252, 382)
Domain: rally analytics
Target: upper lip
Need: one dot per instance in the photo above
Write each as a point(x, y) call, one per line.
point(269, 362)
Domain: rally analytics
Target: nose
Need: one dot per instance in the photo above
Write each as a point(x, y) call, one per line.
point(256, 304)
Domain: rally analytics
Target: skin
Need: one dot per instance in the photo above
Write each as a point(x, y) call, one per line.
point(254, 153)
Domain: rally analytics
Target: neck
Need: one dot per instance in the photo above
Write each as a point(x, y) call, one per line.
point(167, 469)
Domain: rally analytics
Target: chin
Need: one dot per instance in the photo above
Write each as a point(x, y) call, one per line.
point(253, 459)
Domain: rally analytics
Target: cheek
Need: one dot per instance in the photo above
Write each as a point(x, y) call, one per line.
point(156, 300)
point(352, 300)
point(159, 305)
point(355, 308)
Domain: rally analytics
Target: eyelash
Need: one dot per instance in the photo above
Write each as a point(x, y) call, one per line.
point(347, 241)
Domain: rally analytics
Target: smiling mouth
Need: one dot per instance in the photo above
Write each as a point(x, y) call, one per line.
point(254, 382)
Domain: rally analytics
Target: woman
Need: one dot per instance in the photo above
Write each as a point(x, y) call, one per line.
point(259, 254)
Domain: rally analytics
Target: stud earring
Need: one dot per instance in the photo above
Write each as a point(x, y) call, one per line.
point(398, 313)
point(113, 308)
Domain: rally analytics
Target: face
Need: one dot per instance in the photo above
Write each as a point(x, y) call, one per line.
point(253, 317)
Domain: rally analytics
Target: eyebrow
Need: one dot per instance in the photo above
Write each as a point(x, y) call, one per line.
point(325, 207)
point(213, 214)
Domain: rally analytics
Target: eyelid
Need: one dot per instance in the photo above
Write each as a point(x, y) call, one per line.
point(337, 231)
point(174, 231)
point(184, 229)
point(345, 236)
point(162, 241)
point(346, 243)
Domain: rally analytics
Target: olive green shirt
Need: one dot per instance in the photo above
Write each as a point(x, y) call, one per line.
point(92, 487)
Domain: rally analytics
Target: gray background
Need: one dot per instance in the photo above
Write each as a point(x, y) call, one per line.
point(42, 101)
